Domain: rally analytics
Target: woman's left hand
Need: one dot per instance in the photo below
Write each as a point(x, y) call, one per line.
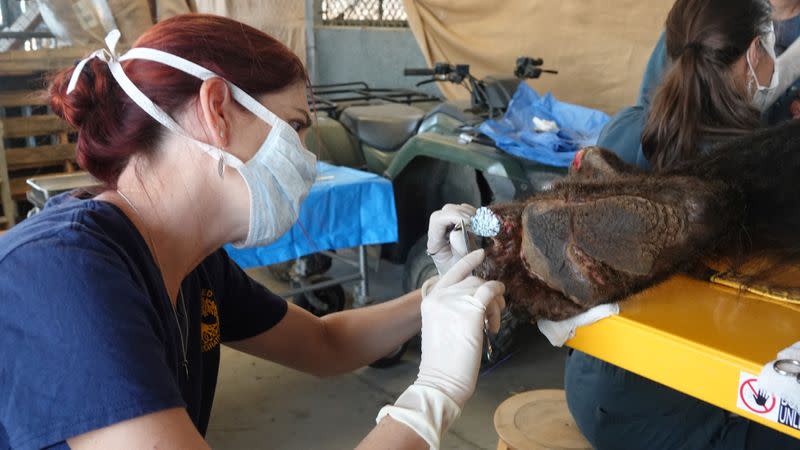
point(445, 246)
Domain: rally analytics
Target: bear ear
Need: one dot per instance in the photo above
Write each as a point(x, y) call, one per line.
point(593, 250)
point(575, 166)
point(599, 164)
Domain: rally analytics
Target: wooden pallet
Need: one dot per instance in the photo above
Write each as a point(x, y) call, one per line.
point(9, 208)
point(34, 141)
point(21, 63)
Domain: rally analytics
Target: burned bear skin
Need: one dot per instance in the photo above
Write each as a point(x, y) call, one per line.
point(591, 242)
point(608, 230)
point(598, 242)
point(527, 295)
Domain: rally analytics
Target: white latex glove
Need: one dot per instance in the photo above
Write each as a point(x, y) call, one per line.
point(454, 310)
point(445, 246)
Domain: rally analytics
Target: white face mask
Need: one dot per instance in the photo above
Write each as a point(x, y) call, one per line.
point(762, 94)
point(278, 176)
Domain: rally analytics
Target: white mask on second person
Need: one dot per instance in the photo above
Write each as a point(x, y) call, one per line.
point(763, 93)
point(278, 176)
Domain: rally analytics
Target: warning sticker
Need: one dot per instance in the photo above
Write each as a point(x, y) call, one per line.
point(756, 400)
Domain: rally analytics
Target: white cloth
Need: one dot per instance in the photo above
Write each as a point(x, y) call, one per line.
point(785, 387)
point(560, 332)
point(544, 125)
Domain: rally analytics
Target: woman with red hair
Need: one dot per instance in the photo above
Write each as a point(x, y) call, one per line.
point(114, 304)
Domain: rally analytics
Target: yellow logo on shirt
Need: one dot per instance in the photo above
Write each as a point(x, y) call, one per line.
point(209, 325)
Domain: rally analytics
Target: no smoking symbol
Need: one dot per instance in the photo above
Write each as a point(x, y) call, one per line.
point(756, 400)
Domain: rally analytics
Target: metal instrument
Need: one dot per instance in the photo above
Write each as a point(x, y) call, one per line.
point(467, 231)
point(788, 368)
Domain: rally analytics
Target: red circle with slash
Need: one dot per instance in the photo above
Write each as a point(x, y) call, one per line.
point(748, 393)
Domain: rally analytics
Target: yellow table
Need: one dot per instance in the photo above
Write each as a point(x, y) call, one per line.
point(696, 337)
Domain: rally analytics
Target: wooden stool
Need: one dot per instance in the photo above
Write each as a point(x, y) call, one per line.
point(537, 420)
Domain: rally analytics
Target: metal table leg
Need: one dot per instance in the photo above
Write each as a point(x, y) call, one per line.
point(360, 291)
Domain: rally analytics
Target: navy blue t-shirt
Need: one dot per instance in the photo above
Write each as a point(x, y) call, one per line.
point(88, 336)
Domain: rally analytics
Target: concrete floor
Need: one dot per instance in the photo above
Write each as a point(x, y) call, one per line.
point(261, 405)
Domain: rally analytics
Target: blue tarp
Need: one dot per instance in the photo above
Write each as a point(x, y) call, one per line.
point(579, 127)
point(345, 208)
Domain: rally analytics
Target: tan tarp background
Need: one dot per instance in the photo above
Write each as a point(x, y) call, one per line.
point(168, 8)
point(599, 47)
point(283, 19)
point(82, 22)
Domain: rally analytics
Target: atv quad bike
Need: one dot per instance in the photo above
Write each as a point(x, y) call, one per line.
point(431, 152)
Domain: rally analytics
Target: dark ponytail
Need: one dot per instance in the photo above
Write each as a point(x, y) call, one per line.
point(699, 99)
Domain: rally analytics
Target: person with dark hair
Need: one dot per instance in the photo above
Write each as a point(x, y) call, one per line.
point(723, 67)
point(722, 70)
point(786, 20)
point(623, 133)
point(114, 304)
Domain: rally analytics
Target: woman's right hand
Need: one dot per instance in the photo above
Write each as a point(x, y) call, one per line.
point(455, 309)
point(446, 247)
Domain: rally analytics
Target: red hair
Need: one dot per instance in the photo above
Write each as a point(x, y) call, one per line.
point(112, 128)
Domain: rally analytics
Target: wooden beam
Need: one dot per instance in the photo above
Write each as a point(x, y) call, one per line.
point(9, 206)
point(45, 60)
point(25, 34)
point(33, 126)
point(43, 155)
point(11, 99)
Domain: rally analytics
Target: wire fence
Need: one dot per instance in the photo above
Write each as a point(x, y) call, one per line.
point(21, 27)
point(374, 13)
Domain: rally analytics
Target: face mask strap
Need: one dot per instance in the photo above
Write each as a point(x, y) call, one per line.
point(114, 64)
point(243, 98)
point(754, 79)
point(769, 45)
point(103, 54)
point(196, 70)
point(767, 42)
